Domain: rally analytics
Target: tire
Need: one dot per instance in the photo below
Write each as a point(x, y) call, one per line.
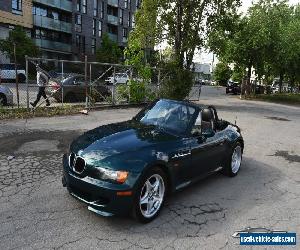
point(3, 100)
point(141, 212)
point(233, 163)
point(21, 78)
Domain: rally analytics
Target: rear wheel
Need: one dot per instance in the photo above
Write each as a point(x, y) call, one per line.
point(233, 164)
point(3, 100)
point(150, 195)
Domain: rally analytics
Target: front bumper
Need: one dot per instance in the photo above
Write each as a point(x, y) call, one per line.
point(100, 196)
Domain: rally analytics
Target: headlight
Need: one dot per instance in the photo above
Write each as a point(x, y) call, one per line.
point(117, 176)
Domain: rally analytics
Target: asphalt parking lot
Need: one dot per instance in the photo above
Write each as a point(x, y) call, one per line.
point(36, 212)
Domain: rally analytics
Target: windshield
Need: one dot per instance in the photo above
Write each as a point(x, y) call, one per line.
point(170, 116)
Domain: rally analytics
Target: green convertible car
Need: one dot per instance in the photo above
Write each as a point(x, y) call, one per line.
point(128, 168)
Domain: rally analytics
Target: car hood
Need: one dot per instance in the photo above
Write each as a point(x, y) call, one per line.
point(122, 141)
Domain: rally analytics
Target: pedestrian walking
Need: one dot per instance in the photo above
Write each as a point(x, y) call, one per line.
point(42, 79)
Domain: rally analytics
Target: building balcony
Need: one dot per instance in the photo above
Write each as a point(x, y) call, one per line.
point(59, 4)
point(52, 45)
point(112, 19)
point(114, 3)
point(52, 24)
point(113, 37)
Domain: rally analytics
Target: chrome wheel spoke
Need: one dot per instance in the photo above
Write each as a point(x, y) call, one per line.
point(236, 159)
point(152, 196)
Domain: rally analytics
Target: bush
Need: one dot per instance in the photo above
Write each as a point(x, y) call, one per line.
point(135, 92)
point(176, 83)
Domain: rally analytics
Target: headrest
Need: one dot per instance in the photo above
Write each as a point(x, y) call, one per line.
point(207, 115)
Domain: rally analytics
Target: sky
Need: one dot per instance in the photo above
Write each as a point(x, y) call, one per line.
point(208, 57)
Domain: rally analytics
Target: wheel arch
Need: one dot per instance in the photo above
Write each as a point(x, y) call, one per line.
point(163, 166)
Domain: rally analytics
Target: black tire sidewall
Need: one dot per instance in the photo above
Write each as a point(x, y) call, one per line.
point(136, 206)
point(3, 97)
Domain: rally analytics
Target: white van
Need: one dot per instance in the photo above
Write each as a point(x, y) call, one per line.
point(8, 73)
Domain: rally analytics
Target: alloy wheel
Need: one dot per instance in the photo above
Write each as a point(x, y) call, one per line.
point(152, 195)
point(236, 159)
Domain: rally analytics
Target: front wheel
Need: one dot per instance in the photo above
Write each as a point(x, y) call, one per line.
point(233, 163)
point(150, 195)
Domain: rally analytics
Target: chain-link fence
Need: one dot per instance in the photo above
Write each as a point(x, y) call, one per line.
point(84, 83)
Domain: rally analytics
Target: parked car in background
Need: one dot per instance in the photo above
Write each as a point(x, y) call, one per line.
point(120, 78)
point(233, 87)
point(74, 88)
point(6, 96)
point(8, 73)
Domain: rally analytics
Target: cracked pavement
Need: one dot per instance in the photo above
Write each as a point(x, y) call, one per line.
point(36, 212)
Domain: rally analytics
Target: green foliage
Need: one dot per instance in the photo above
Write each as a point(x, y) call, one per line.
point(109, 52)
point(237, 74)
point(135, 92)
point(176, 83)
point(222, 73)
point(266, 39)
point(24, 45)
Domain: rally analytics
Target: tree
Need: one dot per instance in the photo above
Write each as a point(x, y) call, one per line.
point(24, 45)
point(186, 24)
point(222, 73)
point(266, 39)
point(109, 52)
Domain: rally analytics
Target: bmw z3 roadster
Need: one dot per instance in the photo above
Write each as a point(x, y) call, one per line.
point(128, 168)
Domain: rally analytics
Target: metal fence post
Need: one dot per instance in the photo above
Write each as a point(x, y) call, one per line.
point(113, 86)
point(90, 85)
point(130, 82)
point(158, 84)
point(85, 79)
point(62, 86)
point(17, 78)
point(27, 87)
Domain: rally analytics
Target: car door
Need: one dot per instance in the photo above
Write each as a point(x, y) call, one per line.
point(80, 88)
point(207, 149)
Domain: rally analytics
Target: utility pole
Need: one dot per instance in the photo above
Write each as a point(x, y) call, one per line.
point(16, 72)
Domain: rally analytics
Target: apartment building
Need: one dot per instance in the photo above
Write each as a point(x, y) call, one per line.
point(70, 29)
point(93, 18)
point(14, 13)
point(52, 27)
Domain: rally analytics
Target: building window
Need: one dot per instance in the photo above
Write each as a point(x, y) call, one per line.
point(121, 16)
point(78, 23)
point(126, 4)
point(100, 29)
point(93, 46)
point(129, 19)
point(133, 21)
point(129, 4)
point(102, 10)
point(138, 3)
point(77, 41)
point(78, 5)
point(125, 33)
point(83, 43)
point(94, 27)
point(95, 12)
point(84, 6)
point(16, 6)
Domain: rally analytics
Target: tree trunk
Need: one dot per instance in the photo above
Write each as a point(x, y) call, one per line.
point(280, 81)
point(248, 84)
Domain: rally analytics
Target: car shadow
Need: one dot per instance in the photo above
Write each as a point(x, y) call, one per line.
point(207, 207)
